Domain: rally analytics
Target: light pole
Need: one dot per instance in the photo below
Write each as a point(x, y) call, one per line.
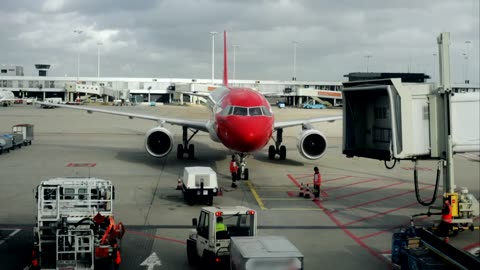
point(98, 58)
point(368, 58)
point(149, 88)
point(467, 43)
point(213, 54)
point(78, 53)
point(295, 43)
point(434, 66)
point(234, 52)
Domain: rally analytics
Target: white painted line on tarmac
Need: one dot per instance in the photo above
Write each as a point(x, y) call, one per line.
point(15, 231)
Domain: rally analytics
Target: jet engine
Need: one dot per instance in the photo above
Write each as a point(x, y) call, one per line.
point(158, 142)
point(311, 143)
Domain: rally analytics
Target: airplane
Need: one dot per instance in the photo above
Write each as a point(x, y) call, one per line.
point(6, 97)
point(241, 119)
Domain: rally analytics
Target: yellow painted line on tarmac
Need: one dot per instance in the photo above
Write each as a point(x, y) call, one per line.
point(255, 195)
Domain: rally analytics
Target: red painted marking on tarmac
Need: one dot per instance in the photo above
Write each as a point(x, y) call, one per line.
point(158, 237)
point(304, 176)
point(382, 199)
point(339, 178)
point(383, 213)
point(351, 235)
point(474, 245)
point(418, 169)
point(292, 194)
point(386, 231)
point(293, 180)
point(353, 184)
point(379, 214)
point(369, 190)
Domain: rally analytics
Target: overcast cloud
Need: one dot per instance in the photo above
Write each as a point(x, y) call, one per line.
point(170, 38)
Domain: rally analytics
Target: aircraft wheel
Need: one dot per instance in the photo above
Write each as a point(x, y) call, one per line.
point(191, 151)
point(283, 152)
point(271, 152)
point(180, 151)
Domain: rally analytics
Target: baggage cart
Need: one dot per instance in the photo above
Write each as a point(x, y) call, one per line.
point(6, 143)
point(27, 132)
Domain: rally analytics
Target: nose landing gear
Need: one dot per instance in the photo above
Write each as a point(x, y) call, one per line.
point(278, 148)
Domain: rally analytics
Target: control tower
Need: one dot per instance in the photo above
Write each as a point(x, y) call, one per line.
point(42, 69)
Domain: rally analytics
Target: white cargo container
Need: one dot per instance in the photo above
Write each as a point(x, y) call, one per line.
point(26, 130)
point(264, 252)
point(199, 183)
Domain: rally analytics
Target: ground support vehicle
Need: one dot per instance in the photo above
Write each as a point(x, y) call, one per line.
point(418, 248)
point(313, 106)
point(264, 253)
point(6, 143)
point(209, 249)
point(199, 184)
point(74, 226)
point(26, 130)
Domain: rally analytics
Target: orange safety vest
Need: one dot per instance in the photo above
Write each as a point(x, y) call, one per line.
point(317, 179)
point(447, 217)
point(233, 166)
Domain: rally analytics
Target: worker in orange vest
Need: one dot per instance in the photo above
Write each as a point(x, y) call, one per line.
point(446, 223)
point(317, 181)
point(233, 171)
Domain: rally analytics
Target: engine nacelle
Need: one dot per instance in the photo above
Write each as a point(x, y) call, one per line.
point(311, 143)
point(158, 142)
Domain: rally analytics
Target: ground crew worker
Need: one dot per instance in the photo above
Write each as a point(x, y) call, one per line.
point(220, 227)
point(317, 180)
point(233, 171)
point(446, 223)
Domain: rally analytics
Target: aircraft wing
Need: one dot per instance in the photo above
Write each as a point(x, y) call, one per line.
point(195, 124)
point(299, 122)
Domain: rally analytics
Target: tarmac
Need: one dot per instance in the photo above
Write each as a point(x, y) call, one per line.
point(351, 228)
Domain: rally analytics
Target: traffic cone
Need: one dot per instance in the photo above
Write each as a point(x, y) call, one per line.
point(307, 192)
point(179, 184)
point(301, 193)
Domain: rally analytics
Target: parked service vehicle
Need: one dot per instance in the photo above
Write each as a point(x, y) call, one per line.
point(264, 253)
point(210, 249)
point(53, 101)
point(313, 106)
point(26, 130)
point(6, 143)
point(74, 226)
point(199, 184)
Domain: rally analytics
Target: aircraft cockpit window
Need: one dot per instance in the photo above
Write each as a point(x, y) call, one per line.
point(240, 111)
point(253, 111)
point(266, 111)
point(227, 110)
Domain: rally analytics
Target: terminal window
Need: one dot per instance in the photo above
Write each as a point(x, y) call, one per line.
point(4, 71)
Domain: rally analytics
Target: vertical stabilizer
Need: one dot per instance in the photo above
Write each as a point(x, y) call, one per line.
point(225, 68)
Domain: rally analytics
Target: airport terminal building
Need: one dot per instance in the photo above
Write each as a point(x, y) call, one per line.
point(166, 90)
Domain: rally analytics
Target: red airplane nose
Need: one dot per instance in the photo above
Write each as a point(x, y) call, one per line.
point(248, 135)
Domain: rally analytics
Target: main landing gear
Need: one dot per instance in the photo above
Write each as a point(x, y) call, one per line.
point(185, 147)
point(279, 149)
point(242, 173)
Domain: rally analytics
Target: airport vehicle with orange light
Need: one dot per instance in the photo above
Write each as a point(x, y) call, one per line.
point(75, 228)
point(208, 246)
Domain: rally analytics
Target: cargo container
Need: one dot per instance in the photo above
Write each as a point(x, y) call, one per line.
point(26, 130)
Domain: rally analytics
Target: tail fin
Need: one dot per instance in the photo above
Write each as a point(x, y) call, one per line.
point(225, 68)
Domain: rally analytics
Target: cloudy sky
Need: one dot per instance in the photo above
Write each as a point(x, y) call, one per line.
point(170, 38)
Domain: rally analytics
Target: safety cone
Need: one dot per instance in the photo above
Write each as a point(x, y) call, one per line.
point(179, 184)
point(301, 193)
point(307, 192)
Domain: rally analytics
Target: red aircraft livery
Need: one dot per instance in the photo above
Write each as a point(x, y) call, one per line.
point(242, 120)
